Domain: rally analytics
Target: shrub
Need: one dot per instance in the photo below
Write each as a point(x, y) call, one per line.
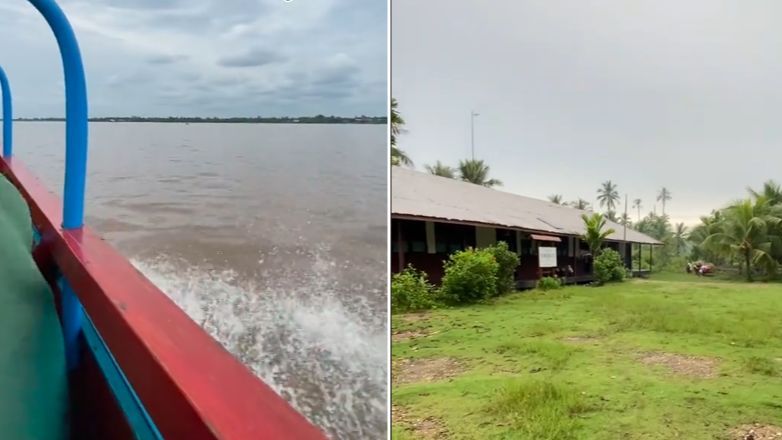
point(410, 290)
point(470, 276)
point(609, 266)
point(507, 262)
point(549, 283)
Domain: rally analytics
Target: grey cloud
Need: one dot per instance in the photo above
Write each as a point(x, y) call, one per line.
point(165, 59)
point(204, 57)
point(252, 58)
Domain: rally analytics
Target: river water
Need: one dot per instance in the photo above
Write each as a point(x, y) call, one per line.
point(272, 237)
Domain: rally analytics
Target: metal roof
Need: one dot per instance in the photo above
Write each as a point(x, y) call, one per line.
point(418, 194)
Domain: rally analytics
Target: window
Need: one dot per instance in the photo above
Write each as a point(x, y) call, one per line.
point(450, 237)
point(508, 236)
point(413, 236)
point(526, 246)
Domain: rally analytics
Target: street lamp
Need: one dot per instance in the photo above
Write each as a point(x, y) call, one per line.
point(472, 132)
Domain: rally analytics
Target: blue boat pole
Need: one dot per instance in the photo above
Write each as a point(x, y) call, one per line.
point(8, 116)
point(75, 157)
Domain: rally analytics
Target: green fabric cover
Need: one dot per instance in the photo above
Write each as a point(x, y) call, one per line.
point(33, 379)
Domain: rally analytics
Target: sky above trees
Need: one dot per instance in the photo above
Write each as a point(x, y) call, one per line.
point(650, 93)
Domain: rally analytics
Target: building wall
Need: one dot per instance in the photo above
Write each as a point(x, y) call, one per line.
point(427, 246)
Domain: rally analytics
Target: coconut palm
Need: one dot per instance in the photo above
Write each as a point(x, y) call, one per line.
point(663, 196)
point(556, 199)
point(625, 219)
point(749, 231)
point(637, 205)
point(770, 190)
point(398, 157)
point(594, 234)
point(475, 171)
point(580, 204)
point(611, 215)
point(440, 169)
point(607, 195)
point(680, 237)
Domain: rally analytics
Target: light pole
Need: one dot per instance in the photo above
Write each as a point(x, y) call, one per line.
point(472, 132)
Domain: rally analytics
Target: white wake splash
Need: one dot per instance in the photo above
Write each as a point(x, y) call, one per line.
point(325, 355)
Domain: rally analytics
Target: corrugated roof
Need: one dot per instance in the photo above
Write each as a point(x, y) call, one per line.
point(424, 195)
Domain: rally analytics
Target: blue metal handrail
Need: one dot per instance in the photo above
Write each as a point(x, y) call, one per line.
point(75, 158)
point(8, 117)
point(75, 113)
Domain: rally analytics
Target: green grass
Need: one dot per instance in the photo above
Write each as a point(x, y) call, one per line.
point(566, 364)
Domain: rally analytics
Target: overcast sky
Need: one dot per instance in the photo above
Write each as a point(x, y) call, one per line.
point(204, 57)
point(682, 94)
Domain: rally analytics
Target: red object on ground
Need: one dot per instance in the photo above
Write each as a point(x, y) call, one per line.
point(190, 385)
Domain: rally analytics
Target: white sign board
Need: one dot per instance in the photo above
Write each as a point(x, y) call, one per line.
point(547, 256)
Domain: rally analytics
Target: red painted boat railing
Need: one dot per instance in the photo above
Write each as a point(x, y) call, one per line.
point(189, 384)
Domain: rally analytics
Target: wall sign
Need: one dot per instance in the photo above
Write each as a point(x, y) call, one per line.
point(547, 256)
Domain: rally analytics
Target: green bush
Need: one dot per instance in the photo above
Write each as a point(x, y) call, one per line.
point(470, 276)
point(507, 262)
point(410, 290)
point(609, 266)
point(549, 283)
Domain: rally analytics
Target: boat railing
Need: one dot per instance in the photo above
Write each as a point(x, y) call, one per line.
point(167, 375)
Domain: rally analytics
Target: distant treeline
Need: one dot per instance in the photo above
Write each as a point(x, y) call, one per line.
point(319, 119)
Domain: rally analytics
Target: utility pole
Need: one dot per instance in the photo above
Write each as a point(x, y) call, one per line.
point(625, 220)
point(472, 132)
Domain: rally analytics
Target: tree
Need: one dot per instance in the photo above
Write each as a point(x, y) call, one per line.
point(611, 215)
point(608, 195)
point(580, 204)
point(771, 191)
point(594, 235)
point(637, 205)
point(475, 171)
point(556, 199)
point(439, 169)
point(625, 219)
point(680, 238)
point(663, 196)
point(398, 157)
point(748, 229)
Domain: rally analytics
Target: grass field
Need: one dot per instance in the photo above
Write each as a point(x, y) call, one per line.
point(672, 357)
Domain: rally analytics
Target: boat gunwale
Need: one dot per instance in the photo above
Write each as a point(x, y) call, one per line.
point(191, 386)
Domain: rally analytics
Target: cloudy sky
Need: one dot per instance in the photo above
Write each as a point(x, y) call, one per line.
point(682, 94)
point(204, 57)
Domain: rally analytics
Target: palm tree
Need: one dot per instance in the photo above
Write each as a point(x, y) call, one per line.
point(680, 237)
point(580, 204)
point(771, 191)
point(594, 235)
point(625, 219)
point(663, 197)
point(637, 205)
point(748, 231)
point(398, 157)
point(475, 171)
point(611, 215)
point(556, 199)
point(439, 169)
point(607, 195)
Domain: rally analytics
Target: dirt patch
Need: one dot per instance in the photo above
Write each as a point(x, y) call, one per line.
point(414, 317)
point(404, 336)
point(756, 431)
point(424, 428)
point(424, 370)
point(581, 339)
point(693, 366)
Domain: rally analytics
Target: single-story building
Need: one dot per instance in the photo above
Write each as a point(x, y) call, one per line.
point(433, 216)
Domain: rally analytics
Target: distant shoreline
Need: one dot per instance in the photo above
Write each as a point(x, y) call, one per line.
point(257, 120)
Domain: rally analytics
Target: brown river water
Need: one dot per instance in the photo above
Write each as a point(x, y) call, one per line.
point(272, 237)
